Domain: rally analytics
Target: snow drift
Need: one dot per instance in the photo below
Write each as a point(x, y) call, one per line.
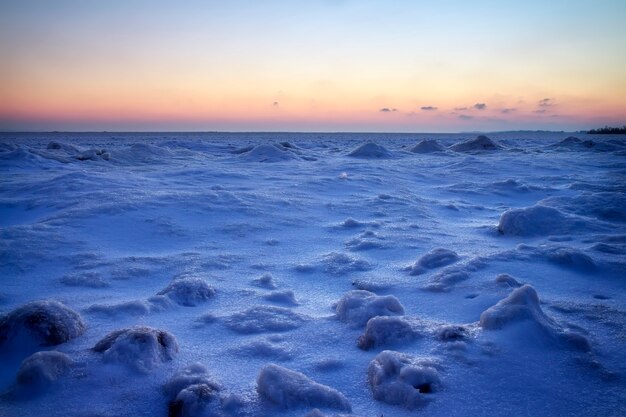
point(481, 143)
point(370, 150)
point(141, 348)
point(39, 371)
point(356, 307)
point(427, 146)
point(39, 323)
point(289, 389)
point(401, 379)
point(523, 305)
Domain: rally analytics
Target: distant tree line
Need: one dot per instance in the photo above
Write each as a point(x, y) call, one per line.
point(606, 130)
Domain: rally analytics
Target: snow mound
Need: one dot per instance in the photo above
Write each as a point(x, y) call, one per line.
point(268, 153)
point(60, 146)
point(386, 330)
point(188, 291)
point(434, 259)
point(447, 278)
point(451, 333)
point(523, 305)
point(39, 371)
point(264, 318)
point(356, 307)
point(271, 347)
point(265, 281)
point(85, 279)
point(427, 146)
point(400, 379)
point(75, 152)
point(289, 389)
point(481, 143)
point(370, 150)
point(340, 263)
point(286, 297)
point(193, 393)
point(131, 308)
point(507, 280)
point(141, 348)
point(39, 323)
point(535, 221)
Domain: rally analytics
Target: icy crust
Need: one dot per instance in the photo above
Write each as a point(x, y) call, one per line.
point(370, 150)
point(265, 318)
point(427, 146)
point(356, 307)
point(140, 348)
point(39, 371)
point(193, 393)
point(400, 379)
point(387, 330)
point(39, 323)
point(188, 291)
point(434, 259)
point(537, 221)
point(523, 305)
point(481, 143)
point(290, 389)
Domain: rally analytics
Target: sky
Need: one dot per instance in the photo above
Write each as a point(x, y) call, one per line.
point(317, 65)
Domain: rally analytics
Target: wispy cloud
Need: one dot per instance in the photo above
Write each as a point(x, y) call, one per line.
point(460, 108)
point(480, 106)
point(546, 102)
point(429, 108)
point(508, 110)
point(465, 117)
point(387, 110)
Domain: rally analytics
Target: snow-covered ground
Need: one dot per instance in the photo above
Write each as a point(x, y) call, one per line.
point(272, 274)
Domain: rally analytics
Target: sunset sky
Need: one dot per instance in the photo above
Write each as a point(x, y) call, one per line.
point(319, 65)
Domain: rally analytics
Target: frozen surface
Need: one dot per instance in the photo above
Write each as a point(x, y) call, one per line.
point(312, 274)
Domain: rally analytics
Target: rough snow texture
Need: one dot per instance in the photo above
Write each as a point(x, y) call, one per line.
point(427, 146)
point(404, 380)
point(264, 318)
point(289, 389)
point(40, 323)
point(357, 307)
point(523, 305)
point(434, 259)
point(188, 291)
point(386, 331)
point(481, 143)
point(39, 371)
point(370, 150)
point(141, 348)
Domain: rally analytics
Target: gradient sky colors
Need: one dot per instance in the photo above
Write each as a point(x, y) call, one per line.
point(324, 65)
